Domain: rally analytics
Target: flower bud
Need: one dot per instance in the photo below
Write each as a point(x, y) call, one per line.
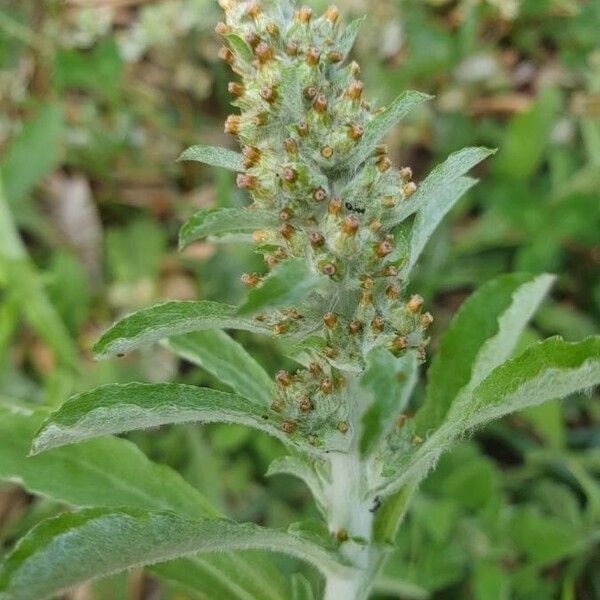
point(383, 248)
point(406, 174)
point(309, 92)
point(222, 28)
point(330, 320)
point(283, 378)
point(426, 320)
point(286, 231)
point(272, 29)
point(355, 131)
point(232, 124)
point(354, 327)
point(414, 303)
point(409, 189)
point(326, 151)
point(335, 206)
point(290, 175)
point(263, 52)
point(251, 154)
point(280, 328)
point(285, 214)
point(354, 68)
point(329, 352)
point(342, 427)
point(335, 56)
point(388, 201)
point(354, 91)
point(252, 38)
point(377, 323)
point(305, 404)
point(314, 368)
point(326, 385)
point(332, 14)
point(250, 280)
point(312, 56)
point(226, 55)
point(399, 343)
point(320, 104)
point(316, 239)
point(302, 128)
point(235, 88)
point(303, 14)
point(319, 194)
point(268, 94)
point(291, 48)
point(246, 182)
point(383, 164)
point(288, 426)
point(290, 146)
point(253, 10)
point(350, 225)
point(390, 271)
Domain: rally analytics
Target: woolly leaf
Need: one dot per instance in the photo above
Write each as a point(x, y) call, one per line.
point(116, 408)
point(287, 284)
point(214, 156)
point(168, 319)
point(76, 547)
point(382, 123)
point(482, 334)
point(348, 36)
point(390, 381)
point(239, 47)
point(227, 360)
point(219, 221)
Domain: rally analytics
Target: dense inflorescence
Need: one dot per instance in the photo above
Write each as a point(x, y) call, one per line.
point(311, 159)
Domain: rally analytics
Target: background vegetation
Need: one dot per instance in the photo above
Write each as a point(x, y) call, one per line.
point(97, 100)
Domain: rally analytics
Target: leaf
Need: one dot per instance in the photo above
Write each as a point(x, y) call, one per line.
point(348, 36)
point(482, 335)
point(34, 153)
point(169, 319)
point(390, 381)
point(111, 472)
point(239, 47)
point(76, 547)
point(545, 371)
point(301, 588)
point(300, 468)
point(218, 221)
point(382, 123)
point(116, 408)
point(288, 283)
point(214, 156)
point(228, 361)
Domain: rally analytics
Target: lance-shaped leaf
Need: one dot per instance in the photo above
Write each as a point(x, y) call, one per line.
point(117, 408)
point(547, 370)
point(482, 334)
point(219, 221)
point(390, 381)
point(301, 588)
point(239, 47)
point(79, 546)
point(382, 123)
point(300, 468)
point(111, 473)
point(348, 36)
point(287, 284)
point(228, 361)
point(214, 156)
point(168, 319)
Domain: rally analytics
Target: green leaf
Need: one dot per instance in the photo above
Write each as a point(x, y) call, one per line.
point(218, 221)
point(482, 334)
point(116, 408)
point(288, 283)
point(228, 361)
point(76, 547)
point(34, 153)
point(169, 319)
point(301, 588)
point(382, 123)
point(214, 156)
point(300, 468)
point(390, 381)
point(239, 47)
point(545, 371)
point(111, 472)
point(348, 36)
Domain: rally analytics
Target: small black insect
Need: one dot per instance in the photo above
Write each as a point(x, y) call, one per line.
point(353, 209)
point(376, 504)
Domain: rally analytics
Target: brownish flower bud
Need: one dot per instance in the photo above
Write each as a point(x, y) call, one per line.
point(375, 225)
point(409, 189)
point(319, 194)
point(280, 254)
point(367, 283)
point(329, 352)
point(332, 14)
point(355, 89)
point(303, 14)
point(270, 261)
point(305, 405)
point(377, 323)
point(384, 164)
point(326, 151)
point(326, 385)
point(250, 280)
point(314, 368)
point(268, 94)
point(276, 405)
point(383, 248)
point(222, 28)
point(252, 38)
point(330, 320)
point(316, 239)
point(414, 303)
point(272, 29)
point(366, 298)
point(302, 128)
point(312, 56)
point(335, 206)
point(426, 320)
point(350, 225)
point(280, 328)
point(320, 104)
point(286, 231)
point(399, 343)
point(401, 420)
point(288, 426)
point(235, 88)
point(354, 68)
point(354, 327)
point(392, 293)
point(335, 56)
point(246, 182)
point(380, 150)
point(342, 427)
point(253, 10)
point(251, 154)
point(416, 439)
point(290, 175)
point(290, 146)
point(309, 92)
point(406, 173)
point(355, 131)
point(341, 535)
point(286, 213)
point(283, 378)
point(226, 55)
point(263, 52)
point(388, 201)
point(291, 48)
point(390, 271)
point(232, 124)
point(259, 119)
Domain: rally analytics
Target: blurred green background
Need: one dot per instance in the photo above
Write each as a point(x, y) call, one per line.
point(97, 100)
